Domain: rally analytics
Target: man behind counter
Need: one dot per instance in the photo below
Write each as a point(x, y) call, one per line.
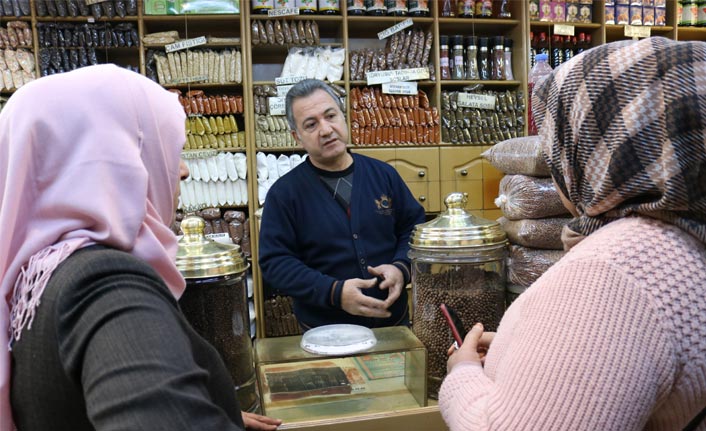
point(335, 229)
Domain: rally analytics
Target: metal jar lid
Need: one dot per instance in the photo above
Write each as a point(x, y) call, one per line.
point(456, 229)
point(200, 257)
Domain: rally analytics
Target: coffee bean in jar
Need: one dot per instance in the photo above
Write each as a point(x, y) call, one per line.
point(458, 259)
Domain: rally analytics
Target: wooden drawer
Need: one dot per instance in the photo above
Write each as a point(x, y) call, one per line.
point(427, 194)
point(413, 164)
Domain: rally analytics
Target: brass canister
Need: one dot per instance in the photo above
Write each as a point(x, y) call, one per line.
point(458, 259)
point(216, 303)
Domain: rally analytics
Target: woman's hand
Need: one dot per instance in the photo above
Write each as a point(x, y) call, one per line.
point(259, 422)
point(474, 348)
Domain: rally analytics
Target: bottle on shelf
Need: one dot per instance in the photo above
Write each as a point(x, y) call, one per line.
point(543, 44)
point(484, 8)
point(533, 49)
point(465, 8)
point(583, 43)
point(501, 9)
point(418, 8)
point(507, 59)
point(557, 51)
point(356, 7)
point(329, 7)
point(484, 67)
point(458, 71)
point(472, 58)
point(569, 47)
point(498, 56)
point(541, 70)
point(444, 57)
point(447, 9)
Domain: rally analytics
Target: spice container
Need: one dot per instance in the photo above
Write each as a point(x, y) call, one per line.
point(459, 260)
point(215, 303)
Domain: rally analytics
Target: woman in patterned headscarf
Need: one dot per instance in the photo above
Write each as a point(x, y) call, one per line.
point(613, 336)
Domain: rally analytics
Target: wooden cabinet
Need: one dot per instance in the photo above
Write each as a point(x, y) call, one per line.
point(418, 167)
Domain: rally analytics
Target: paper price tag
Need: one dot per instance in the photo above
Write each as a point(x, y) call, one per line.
point(184, 44)
point(637, 31)
point(406, 88)
point(283, 11)
point(289, 80)
point(90, 2)
point(385, 76)
point(276, 105)
point(478, 101)
point(282, 90)
point(395, 28)
point(564, 29)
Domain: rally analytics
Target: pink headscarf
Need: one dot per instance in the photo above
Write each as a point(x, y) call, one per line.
point(86, 157)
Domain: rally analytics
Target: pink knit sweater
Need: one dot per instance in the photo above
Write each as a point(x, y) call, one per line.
point(612, 337)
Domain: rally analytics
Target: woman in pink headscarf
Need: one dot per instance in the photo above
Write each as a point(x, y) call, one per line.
point(92, 337)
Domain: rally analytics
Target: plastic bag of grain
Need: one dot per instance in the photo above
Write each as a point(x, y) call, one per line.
point(522, 196)
point(542, 233)
point(518, 156)
point(525, 265)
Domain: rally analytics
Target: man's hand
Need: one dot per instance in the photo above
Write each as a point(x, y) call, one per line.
point(259, 422)
point(392, 280)
point(355, 302)
point(386, 277)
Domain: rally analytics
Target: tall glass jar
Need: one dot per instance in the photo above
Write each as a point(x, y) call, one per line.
point(215, 302)
point(458, 259)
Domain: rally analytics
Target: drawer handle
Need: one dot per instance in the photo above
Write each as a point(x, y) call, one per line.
point(464, 172)
point(422, 173)
point(422, 198)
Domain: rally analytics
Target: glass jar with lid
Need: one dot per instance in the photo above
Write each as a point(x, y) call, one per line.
point(215, 302)
point(458, 259)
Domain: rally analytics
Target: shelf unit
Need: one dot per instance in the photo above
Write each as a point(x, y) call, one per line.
point(431, 170)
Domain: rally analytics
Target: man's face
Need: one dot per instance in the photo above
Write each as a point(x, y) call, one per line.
point(321, 129)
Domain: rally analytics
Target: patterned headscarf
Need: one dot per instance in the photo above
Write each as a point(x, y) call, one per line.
point(86, 157)
point(624, 128)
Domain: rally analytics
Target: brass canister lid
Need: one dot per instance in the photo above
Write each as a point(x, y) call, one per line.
point(200, 257)
point(456, 228)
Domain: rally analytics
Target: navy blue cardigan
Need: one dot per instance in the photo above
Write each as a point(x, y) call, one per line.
point(308, 246)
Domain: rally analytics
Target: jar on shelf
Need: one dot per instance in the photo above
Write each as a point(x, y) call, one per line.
point(307, 7)
point(261, 7)
point(418, 8)
point(376, 7)
point(444, 57)
point(356, 7)
point(215, 302)
point(329, 7)
point(458, 259)
point(397, 7)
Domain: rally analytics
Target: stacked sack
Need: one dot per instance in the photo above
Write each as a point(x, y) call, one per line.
point(533, 214)
point(270, 168)
point(215, 180)
point(16, 58)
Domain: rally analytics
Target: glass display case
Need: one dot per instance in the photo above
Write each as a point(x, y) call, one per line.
point(296, 385)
